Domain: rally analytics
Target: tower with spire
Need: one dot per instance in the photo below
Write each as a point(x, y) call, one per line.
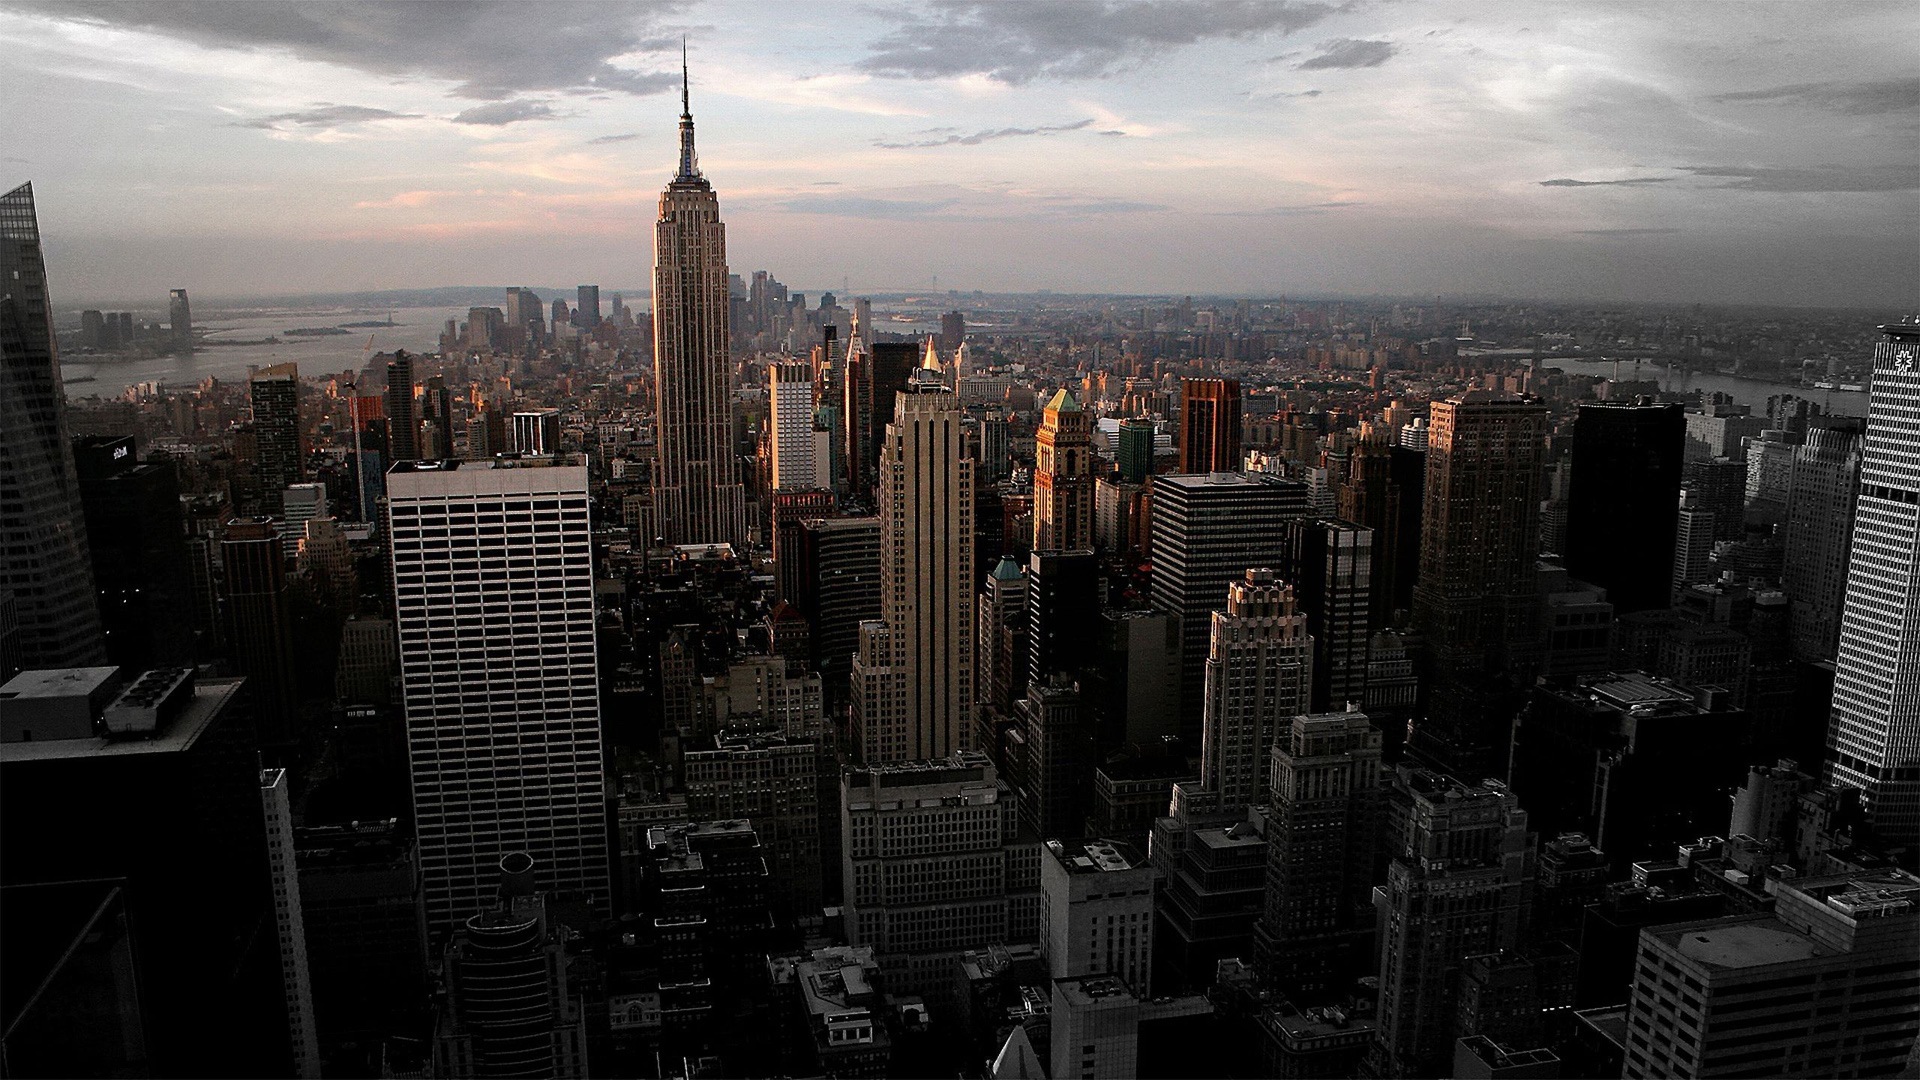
point(1063, 477)
point(698, 497)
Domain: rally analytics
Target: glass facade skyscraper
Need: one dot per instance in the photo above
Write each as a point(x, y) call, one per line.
point(45, 575)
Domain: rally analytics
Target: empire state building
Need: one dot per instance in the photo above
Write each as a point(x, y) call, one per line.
point(697, 494)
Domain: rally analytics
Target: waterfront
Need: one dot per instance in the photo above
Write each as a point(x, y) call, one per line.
point(1749, 392)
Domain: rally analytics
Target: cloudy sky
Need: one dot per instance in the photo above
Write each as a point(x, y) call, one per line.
point(1718, 152)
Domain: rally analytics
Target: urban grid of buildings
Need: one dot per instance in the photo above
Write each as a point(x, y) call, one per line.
point(960, 685)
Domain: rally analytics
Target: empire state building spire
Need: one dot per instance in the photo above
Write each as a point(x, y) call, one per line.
point(689, 163)
point(698, 498)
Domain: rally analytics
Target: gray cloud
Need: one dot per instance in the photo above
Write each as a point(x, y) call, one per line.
point(1350, 53)
point(501, 113)
point(1293, 209)
point(492, 49)
point(1828, 178)
point(978, 137)
point(864, 206)
point(1566, 182)
point(1624, 232)
point(1853, 99)
point(323, 115)
point(603, 140)
point(963, 204)
point(1018, 41)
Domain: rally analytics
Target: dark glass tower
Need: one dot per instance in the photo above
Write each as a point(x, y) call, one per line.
point(1625, 500)
point(45, 576)
point(1209, 425)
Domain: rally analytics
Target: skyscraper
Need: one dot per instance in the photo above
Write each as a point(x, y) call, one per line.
point(493, 581)
point(43, 535)
point(138, 538)
point(403, 415)
point(1456, 888)
point(1063, 477)
point(1134, 453)
point(1208, 530)
point(1323, 823)
point(1259, 677)
point(1875, 732)
point(799, 461)
point(1480, 534)
point(913, 675)
point(586, 311)
point(1209, 425)
point(254, 557)
point(1624, 500)
point(953, 331)
point(1330, 565)
point(275, 393)
point(180, 315)
point(1823, 486)
point(876, 373)
point(698, 498)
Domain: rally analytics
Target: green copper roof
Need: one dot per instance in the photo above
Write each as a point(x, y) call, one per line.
point(1008, 570)
point(1063, 401)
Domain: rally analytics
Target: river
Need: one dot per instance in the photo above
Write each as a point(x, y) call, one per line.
point(1751, 392)
point(413, 329)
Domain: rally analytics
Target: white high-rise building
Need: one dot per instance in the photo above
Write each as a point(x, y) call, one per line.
point(1874, 737)
point(913, 672)
point(276, 807)
point(493, 584)
point(1096, 912)
point(1259, 677)
point(799, 457)
point(302, 503)
point(698, 496)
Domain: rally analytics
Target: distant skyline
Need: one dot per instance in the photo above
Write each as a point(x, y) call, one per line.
point(1719, 153)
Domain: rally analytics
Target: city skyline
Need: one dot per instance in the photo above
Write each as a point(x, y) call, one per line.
point(1583, 151)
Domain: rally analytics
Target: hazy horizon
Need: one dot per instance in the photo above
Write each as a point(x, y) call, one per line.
point(1600, 153)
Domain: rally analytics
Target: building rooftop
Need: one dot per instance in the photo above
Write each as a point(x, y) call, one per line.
point(58, 682)
point(1743, 944)
point(1095, 856)
point(210, 696)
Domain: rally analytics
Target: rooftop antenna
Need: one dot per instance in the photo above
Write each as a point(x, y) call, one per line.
point(686, 109)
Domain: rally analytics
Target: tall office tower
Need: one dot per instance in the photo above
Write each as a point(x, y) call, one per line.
point(788, 513)
point(1209, 425)
point(586, 308)
point(437, 418)
point(1824, 485)
point(1875, 730)
point(276, 805)
point(366, 929)
point(913, 674)
point(139, 551)
point(698, 497)
point(1002, 651)
point(840, 590)
point(1822, 986)
point(1624, 498)
point(1063, 477)
point(1259, 677)
point(1456, 888)
point(368, 415)
point(1063, 598)
point(403, 415)
point(93, 329)
point(180, 315)
point(1054, 758)
point(561, 316)
point(994, 453)
point(1207, 531)
point(261, 627)
point(537, 432)
point(511, 1010)
point(43, 535)
point(1323, 821)
point(1480, 533)
point(523, 310)
point(953, 331)
point(1330, 564)
point(493, 582)
point(302, 503)
point(875, 377)
point(1692, 543)
point(1478, 599)
point(771, 778)
point(799, 459)
point(1386, 492)
point(275, 392)
point(79, 805)
point(933, 864)
point(1133, 450)
point(1721, 486)
point(1096, 912)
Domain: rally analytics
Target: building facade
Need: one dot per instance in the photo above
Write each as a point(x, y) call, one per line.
point(1259, 677)
point(1063, 477)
